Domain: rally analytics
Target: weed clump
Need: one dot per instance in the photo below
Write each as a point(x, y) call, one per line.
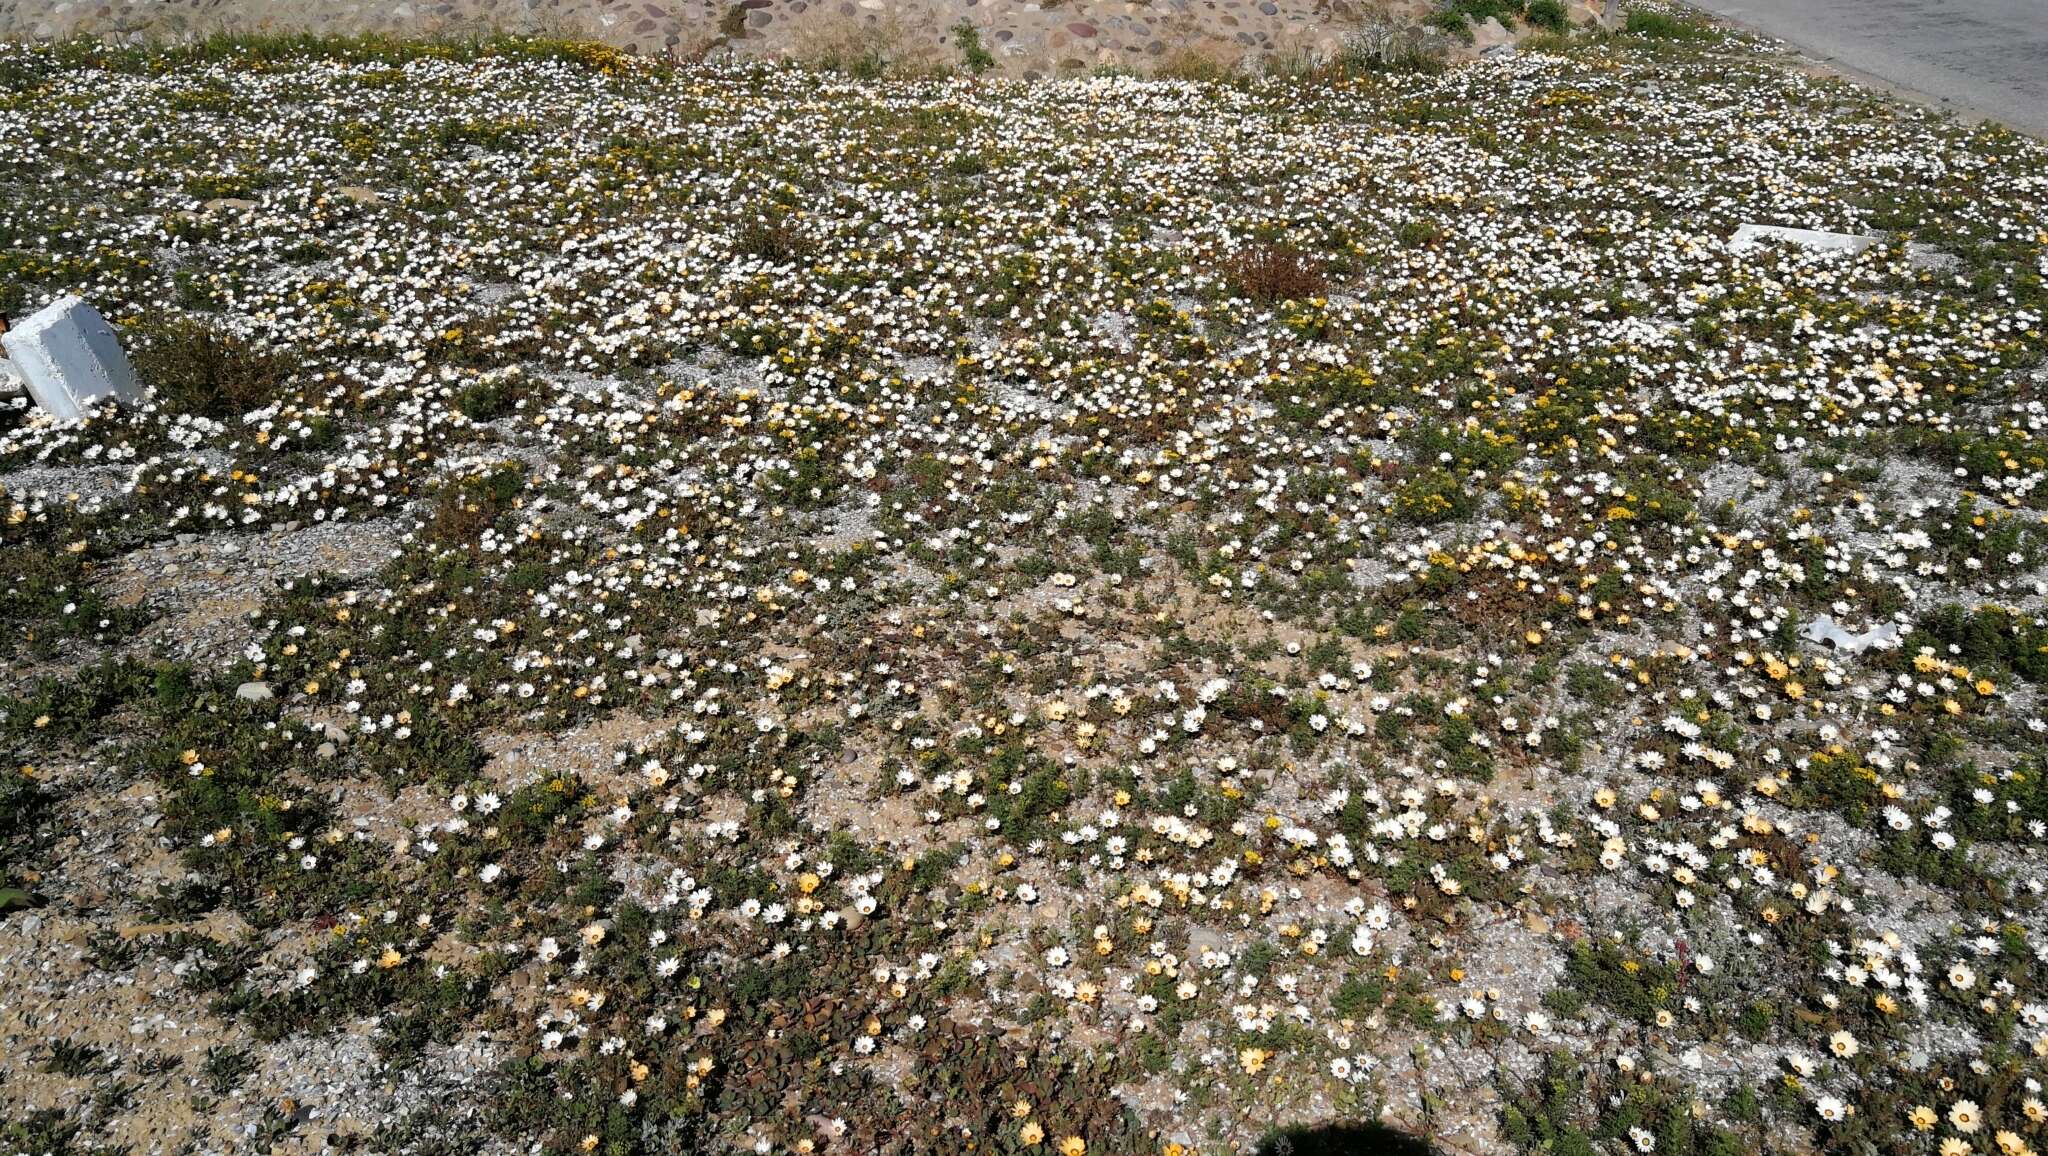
point(973, 53)
point(198, 369)
point(1546, 14)
point(1193, 64)
point(1665, 26)
point(1379, 47)
point(1272, 273)
point(1384, 46)
point(1458, 16)
point(772, 240)
point(864, 50)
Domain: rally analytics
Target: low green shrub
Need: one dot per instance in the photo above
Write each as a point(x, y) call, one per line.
point(1665, 26)
point(1548, 14)
point(973, 53)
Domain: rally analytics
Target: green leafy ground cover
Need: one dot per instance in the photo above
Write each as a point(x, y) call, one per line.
point(963, 615)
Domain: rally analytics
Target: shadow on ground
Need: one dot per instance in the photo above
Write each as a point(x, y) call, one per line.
point(1345, 1140)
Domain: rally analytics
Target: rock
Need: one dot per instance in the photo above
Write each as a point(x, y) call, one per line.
point(1930, 259)
point(69, 358)
point(1748, 237)
point(1490, 34)
point(10, 378)
point(326, 750)
point(254, 692)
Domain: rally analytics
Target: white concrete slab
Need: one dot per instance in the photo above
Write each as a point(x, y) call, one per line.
point(1749, 237)
point(70, 359)
point(1752, 236)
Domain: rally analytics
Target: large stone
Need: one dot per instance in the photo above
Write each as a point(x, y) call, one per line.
point(1928, 258)
point(1748, 237)
point(70, 359)
point(1490, 34)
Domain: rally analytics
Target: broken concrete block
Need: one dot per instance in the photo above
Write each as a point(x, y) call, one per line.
point(1825, 630)
point(69, 358)
point(1748, 237)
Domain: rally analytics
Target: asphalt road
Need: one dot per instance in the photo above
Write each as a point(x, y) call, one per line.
point(1984, 59)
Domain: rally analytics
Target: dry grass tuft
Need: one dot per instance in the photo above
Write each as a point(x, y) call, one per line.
point(1277, 273)
point(1200, 63)
point(867, 46)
